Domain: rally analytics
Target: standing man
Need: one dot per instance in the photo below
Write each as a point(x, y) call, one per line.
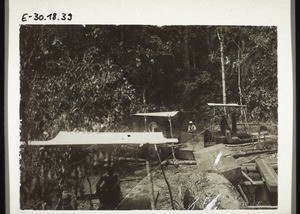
point(191, 128)
point(223, 124)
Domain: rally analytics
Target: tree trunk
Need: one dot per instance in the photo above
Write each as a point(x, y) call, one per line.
point(221, 39)
point(144, 106)
point(239, 75)
point(215, 183)
point(185, 50)
point(243, 56)
point(194, 60)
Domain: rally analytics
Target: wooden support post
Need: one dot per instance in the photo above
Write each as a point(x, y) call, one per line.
point(43, 181)
point(152, 197)
point(246, 125)
point(164, 175)
point(228, 136)
point(156, 199)
point(42, 160)
point(213, 124)
point(171, 133)
point(268, 173)
point(90, 188)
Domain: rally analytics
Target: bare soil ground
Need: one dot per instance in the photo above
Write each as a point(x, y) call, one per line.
point(191, 188)
point(188, 185)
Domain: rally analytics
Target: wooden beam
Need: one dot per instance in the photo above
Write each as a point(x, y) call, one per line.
point(253, 168)
point(225, 105)
point(261, 207)
point(255, 183)
point(268, 174)
point(241, 144)
point(182, 162)
point(243, 194)
point(130, 159)
point(253, 152)
point(247, 177)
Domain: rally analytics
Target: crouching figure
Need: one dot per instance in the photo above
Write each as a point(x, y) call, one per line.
point(108, 190)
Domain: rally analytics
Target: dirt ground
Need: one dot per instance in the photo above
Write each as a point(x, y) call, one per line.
point(130, 175)
point(187, 186)
point(191, 188)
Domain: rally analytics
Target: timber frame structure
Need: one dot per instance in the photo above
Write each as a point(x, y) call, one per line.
point(231, 130)
point(116, 138)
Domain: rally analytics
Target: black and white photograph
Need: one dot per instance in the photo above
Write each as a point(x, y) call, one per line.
point(148, 116)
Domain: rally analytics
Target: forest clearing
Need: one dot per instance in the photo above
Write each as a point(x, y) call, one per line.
point(195, 176)
point(145, 117)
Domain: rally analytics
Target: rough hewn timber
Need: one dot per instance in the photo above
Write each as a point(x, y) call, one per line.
point(227, 165)
point(268, 173)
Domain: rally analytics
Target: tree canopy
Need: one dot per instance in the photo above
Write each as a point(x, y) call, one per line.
point(93, 78)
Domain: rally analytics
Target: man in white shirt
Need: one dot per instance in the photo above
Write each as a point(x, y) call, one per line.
point(191, 128)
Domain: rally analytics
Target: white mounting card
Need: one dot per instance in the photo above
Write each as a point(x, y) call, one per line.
point(60, 14)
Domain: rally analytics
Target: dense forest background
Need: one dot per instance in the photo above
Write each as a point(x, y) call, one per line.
point(93, 78)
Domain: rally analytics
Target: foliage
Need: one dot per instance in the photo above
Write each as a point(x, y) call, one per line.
point(92, 78)
point(46, 172)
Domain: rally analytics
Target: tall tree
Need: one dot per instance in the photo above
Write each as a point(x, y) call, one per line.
point(221, 39)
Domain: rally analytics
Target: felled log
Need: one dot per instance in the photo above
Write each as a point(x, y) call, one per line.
point(242, 144)
point(203, 188)
point(255, 183)
point(219, 158)
point(130, 159)
point(253, 152)
point(182, 162)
